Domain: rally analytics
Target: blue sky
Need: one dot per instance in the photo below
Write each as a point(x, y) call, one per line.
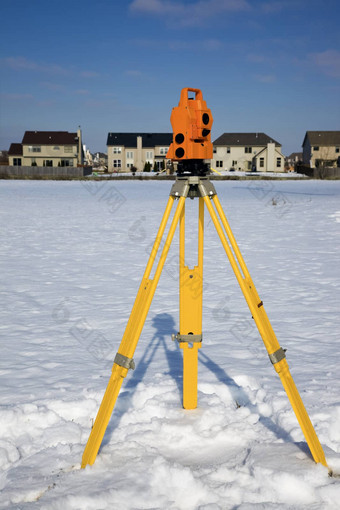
point(114, 65)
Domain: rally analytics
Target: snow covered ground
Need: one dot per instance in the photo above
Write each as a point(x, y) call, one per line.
point(71, 258)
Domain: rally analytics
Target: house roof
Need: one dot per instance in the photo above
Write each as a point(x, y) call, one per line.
point(322, 137)
point(49, 138)
point(296, 155)
point(15, 149)
point(130, 139)
point(245, 139)
point(264, 149)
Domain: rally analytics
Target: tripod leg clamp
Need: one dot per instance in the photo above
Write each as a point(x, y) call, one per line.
point(277, 356)
point(124, 361)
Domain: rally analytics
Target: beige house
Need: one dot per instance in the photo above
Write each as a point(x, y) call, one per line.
point(47, 148)
point(247, 152)
point(321, 148)
point(128, 150)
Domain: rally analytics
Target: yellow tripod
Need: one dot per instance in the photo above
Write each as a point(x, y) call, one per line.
point(191, 292)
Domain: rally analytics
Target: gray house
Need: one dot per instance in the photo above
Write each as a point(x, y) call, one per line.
point(321, 148)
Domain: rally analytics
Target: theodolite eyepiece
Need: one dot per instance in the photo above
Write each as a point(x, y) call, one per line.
point(191, 122)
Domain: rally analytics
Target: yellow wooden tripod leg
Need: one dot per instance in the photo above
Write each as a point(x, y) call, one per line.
point(123, 360)
point(190, 363)
point(190, 311)
point(275, 352)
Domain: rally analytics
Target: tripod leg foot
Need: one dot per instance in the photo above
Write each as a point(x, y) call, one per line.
point(190, 361)
point(301, 414)
point(104, 415)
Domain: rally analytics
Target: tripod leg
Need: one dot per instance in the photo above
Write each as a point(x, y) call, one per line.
point(275, 352)
point(123, 360)
point(190, 311)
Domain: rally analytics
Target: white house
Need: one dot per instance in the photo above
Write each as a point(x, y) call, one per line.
point(247, 151)
point(127, 150)
point(48, 148)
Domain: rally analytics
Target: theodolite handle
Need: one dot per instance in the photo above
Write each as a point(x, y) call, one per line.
point(184, 94)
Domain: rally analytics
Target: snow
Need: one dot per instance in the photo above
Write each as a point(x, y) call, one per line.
point(72, 255)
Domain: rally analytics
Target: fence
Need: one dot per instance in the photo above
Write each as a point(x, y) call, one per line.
point(44, 172)
point(319, 173)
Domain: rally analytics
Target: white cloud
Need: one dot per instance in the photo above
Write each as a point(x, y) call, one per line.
point(202, 45)
point(16, 97)
point(82, 92)
point(24, 64)
point(256, 58)
point(274, 7)
point(328, 62)
point(89, 74)
point(134, 73)
point(185, 14)
point(265, 78)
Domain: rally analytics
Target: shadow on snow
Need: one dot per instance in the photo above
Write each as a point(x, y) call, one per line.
point(164, 325)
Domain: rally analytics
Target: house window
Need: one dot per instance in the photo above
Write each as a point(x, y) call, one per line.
point(337, 150)
point(16, 161)
point(33, 162)
point(219, 164)
point(278, 162)
point(316, 148)
point(56, 148)
point(117, 163)
point(66, 162)
point(48, 162)
point(234, 163)
point(34, 148)
point(149, 155)
point(163, 151)
point(129, 155)
point(159, 165)
point(248, 150)
point(228, 150)
point(261, 162)
point(214, 150)
point(68, 148)
point(117, 150)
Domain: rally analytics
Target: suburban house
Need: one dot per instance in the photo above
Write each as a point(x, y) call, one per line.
point(294, 159)
point(247, 151)
point(126, 151)
point(47, 149)
point(321, 148)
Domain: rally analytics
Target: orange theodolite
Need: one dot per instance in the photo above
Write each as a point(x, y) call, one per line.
point(191, 122)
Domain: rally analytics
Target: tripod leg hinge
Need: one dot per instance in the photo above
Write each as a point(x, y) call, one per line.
point(180, 188)
point(124, 361)
point(277, 356)
point(187, 338)
point(206, 188)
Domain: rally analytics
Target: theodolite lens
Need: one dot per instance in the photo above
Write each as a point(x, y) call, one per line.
point(205, 118)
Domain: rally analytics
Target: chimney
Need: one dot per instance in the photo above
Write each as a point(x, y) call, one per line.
point(270, 157)
point(80, 158)
point(139, 158)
